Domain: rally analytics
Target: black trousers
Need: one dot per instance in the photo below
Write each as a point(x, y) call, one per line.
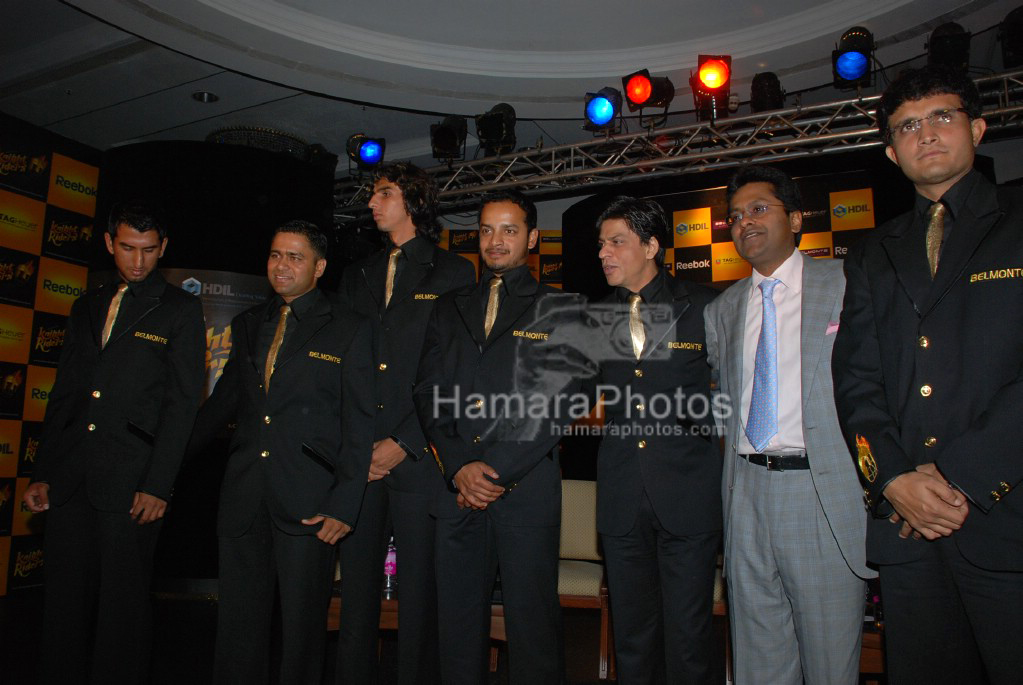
point(949, 621)
point(97, 613)
point(252, 567)
point(362, 573)
point(470, 549)
point(661, 588)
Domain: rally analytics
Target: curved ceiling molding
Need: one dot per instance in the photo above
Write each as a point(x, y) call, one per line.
point(310, 45)
point(817, 19)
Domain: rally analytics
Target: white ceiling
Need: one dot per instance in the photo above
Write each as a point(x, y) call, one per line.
point(110, 72)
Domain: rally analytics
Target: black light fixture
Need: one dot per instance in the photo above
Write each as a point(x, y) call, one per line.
point(711, 85)
point(1011, 34)
point(766, 93)
point(949, 45)
point(643, 90)
point(495, 129)
point(850, 62)
point(366, 152)
point(448, 138)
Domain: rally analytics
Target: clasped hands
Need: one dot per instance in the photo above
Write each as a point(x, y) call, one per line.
point(475, 485)
point(926, 504)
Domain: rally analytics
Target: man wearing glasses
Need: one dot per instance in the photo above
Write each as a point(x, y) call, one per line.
point(794, 519)
point(928, 370)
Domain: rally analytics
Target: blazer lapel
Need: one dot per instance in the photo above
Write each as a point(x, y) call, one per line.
point(817, 302)
point(735, 324)
point(979, 215)
point(472, 317)
point(375, 273)
point(908, 255)
point(309, 325)
point(508, 312)
point(411, 275)
point(98, 313)
point(250, 331)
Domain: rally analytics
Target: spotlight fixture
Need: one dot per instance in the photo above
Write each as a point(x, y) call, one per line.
point(850, 63)
point(204, 96)
point(601, 109)
point(642, 90)
point(496, 129)
point(766, 93)
point(448, 138)
point(949, 44)
point(366, 152)
point(1011, 34)
point(711, 85)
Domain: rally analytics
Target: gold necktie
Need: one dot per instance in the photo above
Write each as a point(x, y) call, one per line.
point(392, 268)
point(636, 326)
point(492, 304)
point(115, 306)
point(935, 234)
point(275, 346)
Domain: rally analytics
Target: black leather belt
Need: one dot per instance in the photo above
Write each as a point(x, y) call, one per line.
point(779, 462)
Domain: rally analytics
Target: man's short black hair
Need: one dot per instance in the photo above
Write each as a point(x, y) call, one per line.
point(317, 238)
point(644, 217)
point(916, 84)
point(516, 198)
point(139, 215)
point(785, 189)
point(419, 191)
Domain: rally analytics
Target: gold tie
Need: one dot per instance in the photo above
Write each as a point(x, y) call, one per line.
point(636, 326)
point(492, 304)
point(115, 306)
point(392, 268)
point(935, 234)
point(275, 346)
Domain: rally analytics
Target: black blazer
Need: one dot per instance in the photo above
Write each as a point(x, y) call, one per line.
point(674, 459)
point(304, 447)
point(960, 334)
point(118, 418)
point(473, 374)
point(398, 335)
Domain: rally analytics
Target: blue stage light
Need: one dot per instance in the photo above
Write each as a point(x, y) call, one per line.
point(366, 152)
point(602, 108)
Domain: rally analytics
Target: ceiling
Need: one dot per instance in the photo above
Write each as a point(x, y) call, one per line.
point(112, 72)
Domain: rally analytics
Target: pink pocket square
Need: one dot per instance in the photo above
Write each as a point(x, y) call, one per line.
point(832, 328)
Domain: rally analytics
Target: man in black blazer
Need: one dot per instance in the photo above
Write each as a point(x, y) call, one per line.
point(502, 505)
point(658, 467)
point(128, 385)
point(396, 289)
point(928, 373)
point(298, 384)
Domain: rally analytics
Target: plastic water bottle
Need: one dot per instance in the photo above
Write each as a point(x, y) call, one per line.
point(391, 569)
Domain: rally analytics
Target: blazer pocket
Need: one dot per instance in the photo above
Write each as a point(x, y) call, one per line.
point(141, 433)
point(320, 460)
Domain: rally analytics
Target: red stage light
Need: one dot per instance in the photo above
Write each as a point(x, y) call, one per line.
point(714, 74)
point(638, 89)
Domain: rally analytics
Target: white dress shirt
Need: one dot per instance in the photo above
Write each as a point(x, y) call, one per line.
point(788, 300)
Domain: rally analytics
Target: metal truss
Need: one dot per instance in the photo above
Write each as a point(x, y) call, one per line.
point(583, 168)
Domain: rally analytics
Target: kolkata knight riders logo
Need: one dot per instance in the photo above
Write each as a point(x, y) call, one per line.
point(865, 459)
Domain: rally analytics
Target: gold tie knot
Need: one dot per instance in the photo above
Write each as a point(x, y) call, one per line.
point(636, 329)
point(493, 302)
point(392, 269)
point(935, 235)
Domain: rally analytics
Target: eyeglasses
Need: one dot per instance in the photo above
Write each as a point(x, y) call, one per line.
point(939, 120)
point(752, 212)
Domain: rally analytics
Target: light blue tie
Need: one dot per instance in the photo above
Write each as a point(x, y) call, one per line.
point(762, 424)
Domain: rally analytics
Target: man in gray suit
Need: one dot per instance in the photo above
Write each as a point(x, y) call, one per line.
point(794, 516)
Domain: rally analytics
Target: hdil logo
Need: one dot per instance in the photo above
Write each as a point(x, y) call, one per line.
point(192, 286)
point(682, 229)
point(839, 211)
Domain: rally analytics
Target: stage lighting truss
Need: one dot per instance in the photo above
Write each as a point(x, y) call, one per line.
point(595, 165)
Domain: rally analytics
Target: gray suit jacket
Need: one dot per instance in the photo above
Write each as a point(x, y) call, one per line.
point(831, 466)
